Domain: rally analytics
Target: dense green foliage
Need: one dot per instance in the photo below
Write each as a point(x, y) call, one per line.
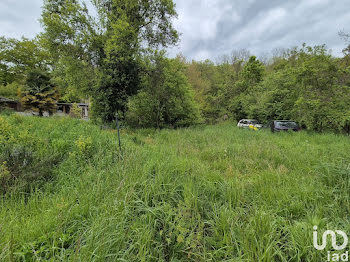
point(307, 85)
point(109, 47)
point(30, 149)
point(166, 98)
point(19, 56)
point(11, 90)
point(195, 194)
point(102, 54)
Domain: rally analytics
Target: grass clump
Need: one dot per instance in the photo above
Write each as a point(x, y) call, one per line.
point(212, 193)
point(32, 149)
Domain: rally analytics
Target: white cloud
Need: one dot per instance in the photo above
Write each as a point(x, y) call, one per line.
point(211, 28)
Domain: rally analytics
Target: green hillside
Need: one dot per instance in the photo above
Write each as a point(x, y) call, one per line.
point(208, 193)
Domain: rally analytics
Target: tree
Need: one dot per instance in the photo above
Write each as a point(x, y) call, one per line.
point(166, 99)
point(210, 83)
point(252, 72)
point(132, 26)
point(39, 93)
point(242, 93)
point(73, 39)
point(323, 92)
point(17, 57)
point(75, 79)
point(69, 30)
point(200, 85)
point(113, 44)
point(275, 97)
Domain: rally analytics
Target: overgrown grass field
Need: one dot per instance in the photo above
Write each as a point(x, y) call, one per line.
point(209, 193)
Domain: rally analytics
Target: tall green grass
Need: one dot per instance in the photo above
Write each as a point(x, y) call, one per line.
point(213, 193)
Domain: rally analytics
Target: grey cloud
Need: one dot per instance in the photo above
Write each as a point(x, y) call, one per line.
point(262, 25)
point(211, 28)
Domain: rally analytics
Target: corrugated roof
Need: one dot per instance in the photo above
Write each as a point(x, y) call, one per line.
point(70, 104)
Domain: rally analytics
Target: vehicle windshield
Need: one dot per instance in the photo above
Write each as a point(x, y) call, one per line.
point(254, 122)
point(289, 124)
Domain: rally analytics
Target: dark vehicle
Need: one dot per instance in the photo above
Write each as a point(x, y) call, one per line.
point(284, 125)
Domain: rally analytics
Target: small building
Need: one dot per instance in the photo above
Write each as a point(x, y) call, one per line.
point(62, 108)
point(11, 104)
point(66, 108)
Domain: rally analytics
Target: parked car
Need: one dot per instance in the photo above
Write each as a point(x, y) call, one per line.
point(284, 125)
point(246, 123)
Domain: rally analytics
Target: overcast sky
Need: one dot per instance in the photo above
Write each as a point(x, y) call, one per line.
point(211, 28)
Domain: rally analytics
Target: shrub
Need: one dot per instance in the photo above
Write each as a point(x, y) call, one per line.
point(31, 149)
point(4, 174)
point(84, 146)
point(75, 111)
point(167, 99)
point(11, 90)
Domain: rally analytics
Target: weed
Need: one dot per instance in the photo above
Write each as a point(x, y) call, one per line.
point(214, 193)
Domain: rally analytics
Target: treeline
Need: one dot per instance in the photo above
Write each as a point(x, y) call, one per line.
point(304, 84)
point(114, 60)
